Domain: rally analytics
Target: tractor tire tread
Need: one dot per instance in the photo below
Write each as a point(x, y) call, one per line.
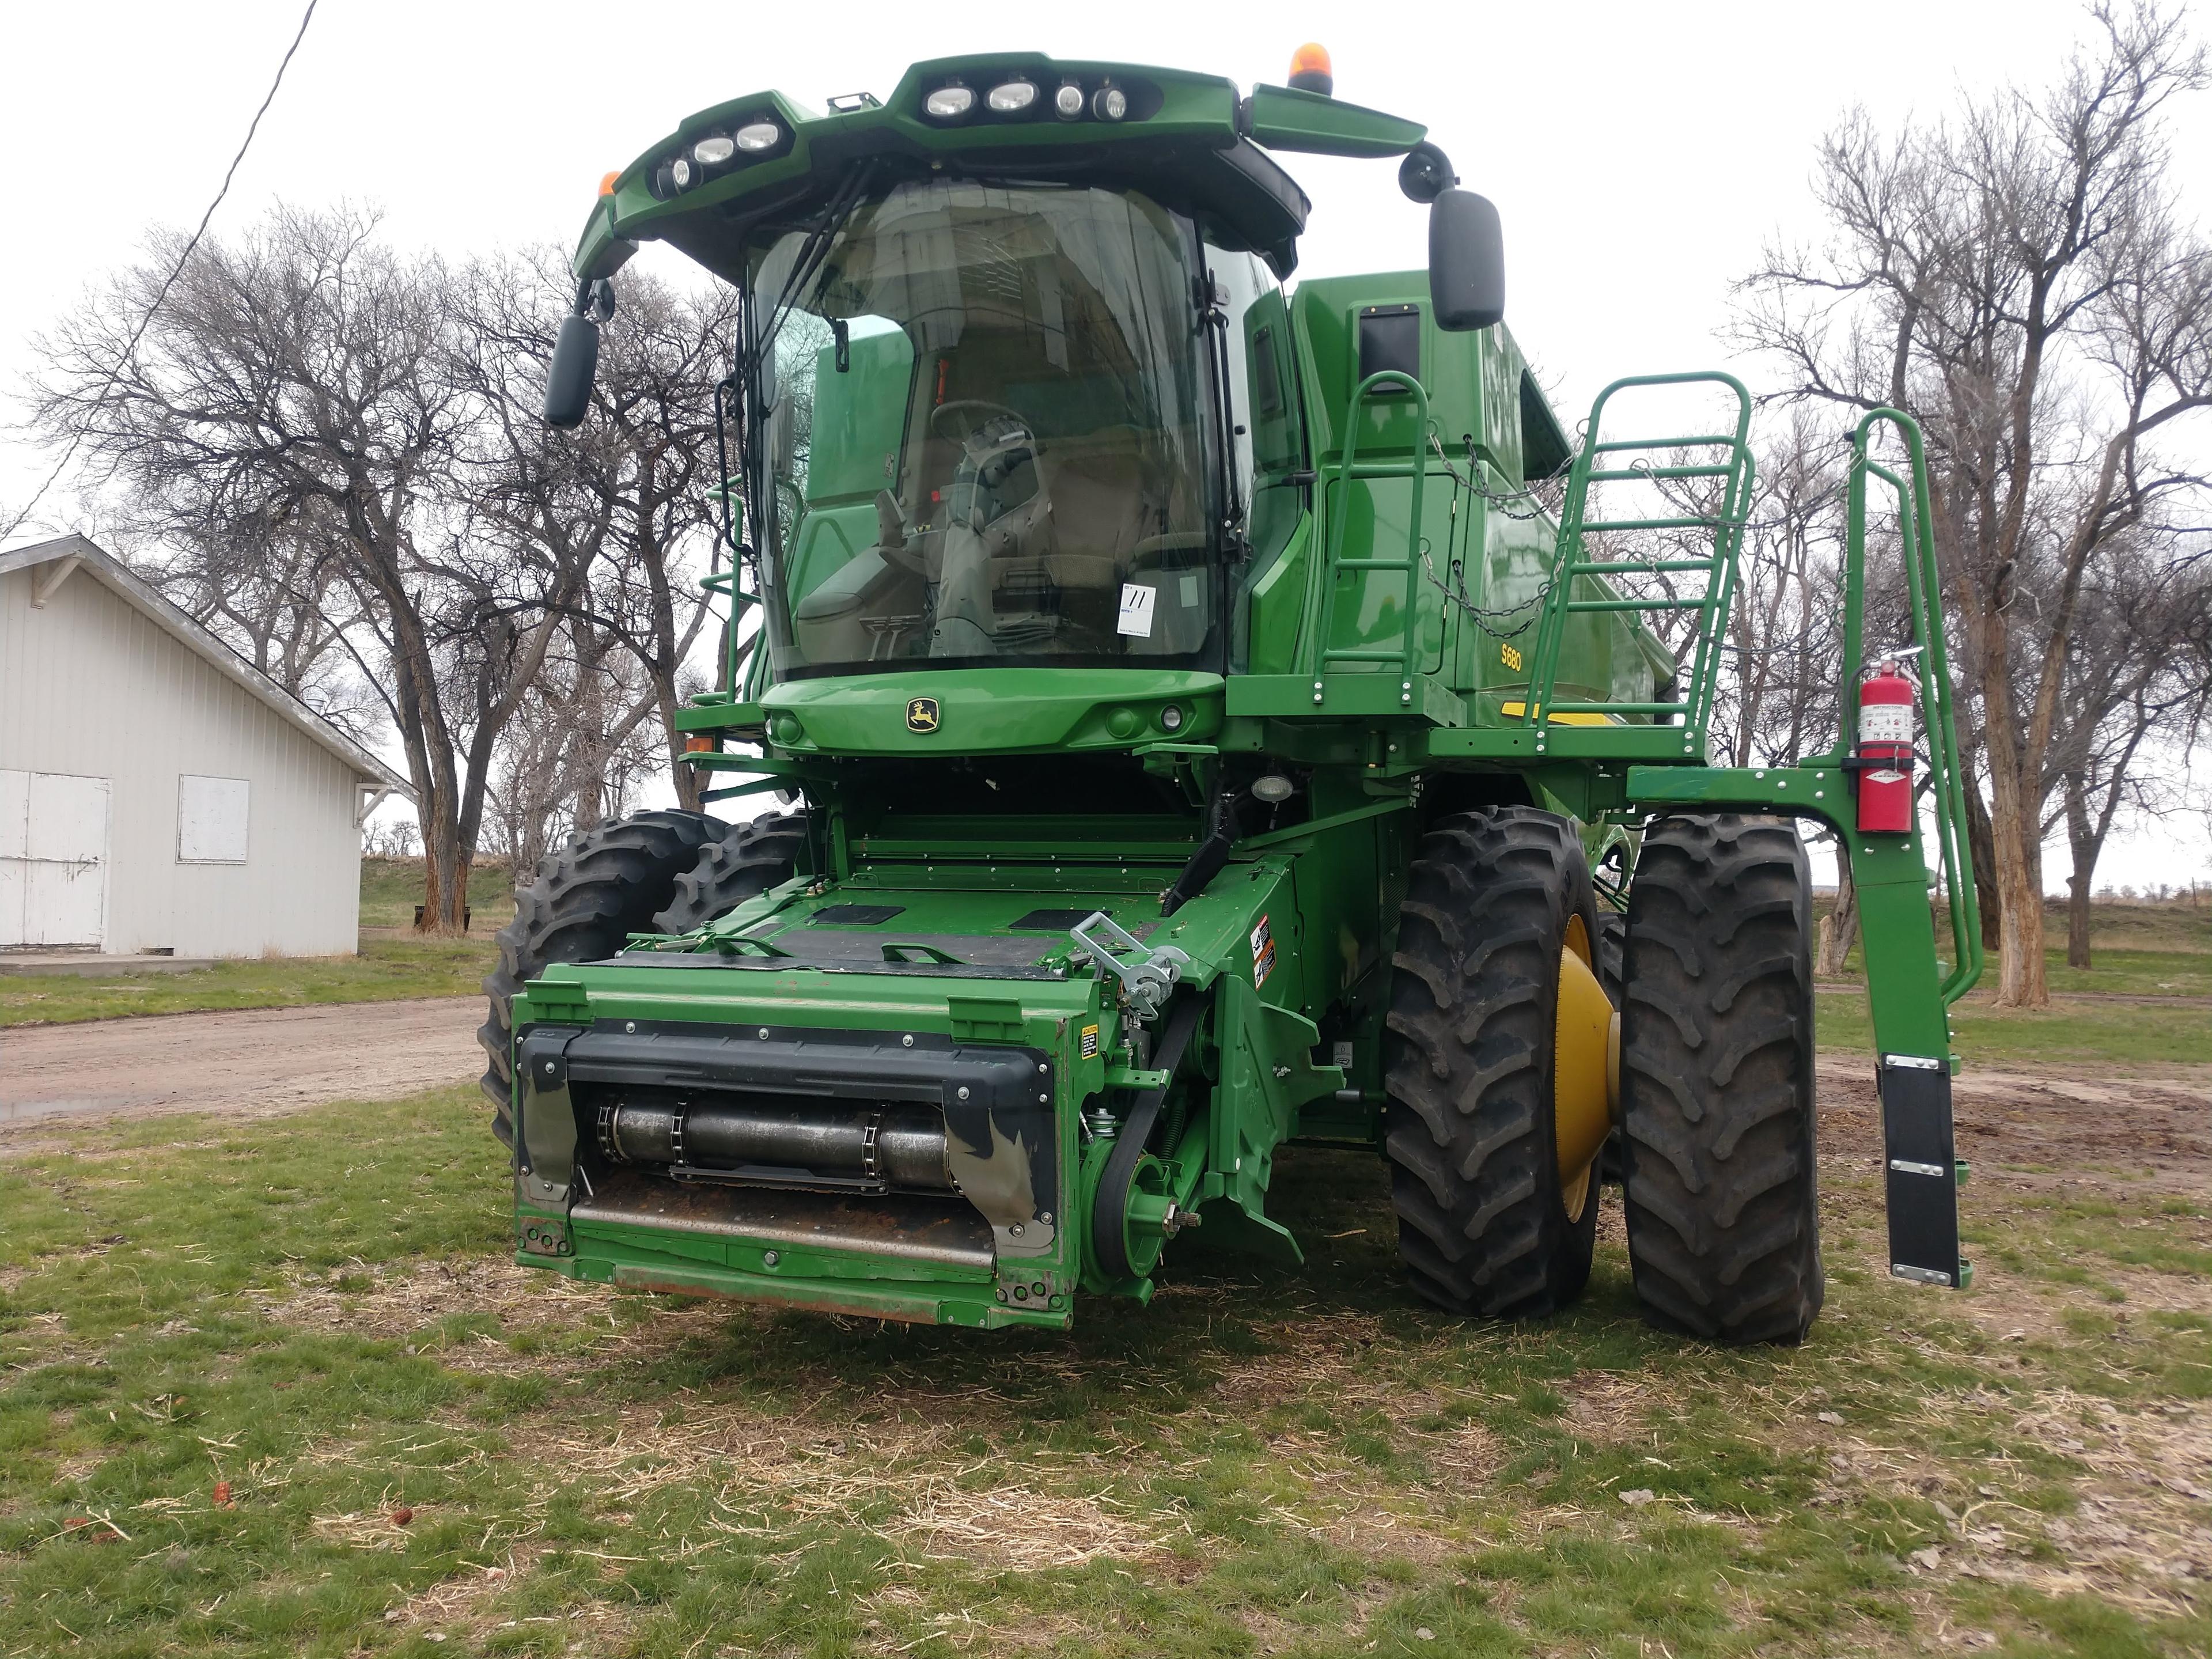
point(1718, 1111)
point(1468, 1037)
point(742, 864)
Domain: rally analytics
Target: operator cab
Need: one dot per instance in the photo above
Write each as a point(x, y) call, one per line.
point(1016, 386)
point(991, 432)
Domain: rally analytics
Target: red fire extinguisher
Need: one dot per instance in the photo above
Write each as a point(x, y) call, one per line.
point(1885, 753)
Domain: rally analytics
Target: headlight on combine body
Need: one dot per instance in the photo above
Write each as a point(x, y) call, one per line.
point(714, 149)
point(1110, 103)
point(1068, 103)
point(950, 103)
point(1012, 97)
point(756, 136)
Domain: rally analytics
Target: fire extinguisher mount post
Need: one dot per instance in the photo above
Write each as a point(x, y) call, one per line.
point(1924, 591)
point(1914, 1062)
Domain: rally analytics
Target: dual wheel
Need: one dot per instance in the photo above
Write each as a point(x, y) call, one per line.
point(1507, 1076)
point(659, 871)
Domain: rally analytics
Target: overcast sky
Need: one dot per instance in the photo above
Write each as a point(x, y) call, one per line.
point(1640, 154)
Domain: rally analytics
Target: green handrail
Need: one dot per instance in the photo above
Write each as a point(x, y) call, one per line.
point(1569, 565)
point(1923, 590)
point(1320, 585)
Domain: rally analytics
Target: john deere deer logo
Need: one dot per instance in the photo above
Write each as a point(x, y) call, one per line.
point(921, 714)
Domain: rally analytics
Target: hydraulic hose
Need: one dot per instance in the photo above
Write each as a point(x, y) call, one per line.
point(1213, 853)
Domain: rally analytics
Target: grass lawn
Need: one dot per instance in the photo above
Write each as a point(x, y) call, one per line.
point(2112, 1037)
point(2135, 949)
point(384, 970)
point(275, 1389)
point(388, 967)
point(2147, 950)
point(391, 888)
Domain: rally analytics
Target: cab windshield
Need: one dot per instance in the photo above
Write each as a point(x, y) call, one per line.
point(985, 434)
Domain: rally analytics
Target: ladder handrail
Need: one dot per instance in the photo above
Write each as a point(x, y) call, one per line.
point(1721, 568)
point(1923, 590)
point(1320, 587)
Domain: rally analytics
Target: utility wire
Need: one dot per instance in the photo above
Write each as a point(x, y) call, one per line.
point(170, 282)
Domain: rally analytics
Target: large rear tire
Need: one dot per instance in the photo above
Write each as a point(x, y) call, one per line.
point(1486, 1224)
point(587, 899)
point(1717, 1082)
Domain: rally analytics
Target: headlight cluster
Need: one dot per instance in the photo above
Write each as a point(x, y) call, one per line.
point(1023, 97)
point(714, 154)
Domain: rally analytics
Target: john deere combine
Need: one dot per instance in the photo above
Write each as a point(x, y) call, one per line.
point(1198, 737)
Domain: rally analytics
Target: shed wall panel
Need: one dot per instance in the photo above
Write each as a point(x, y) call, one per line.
point(91, 686)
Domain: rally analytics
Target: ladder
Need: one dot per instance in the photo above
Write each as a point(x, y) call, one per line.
point(1578, 585)
point(1321, 587)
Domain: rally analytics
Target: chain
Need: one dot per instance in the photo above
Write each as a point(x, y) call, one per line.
point(1488, 621)
point(1502, 500)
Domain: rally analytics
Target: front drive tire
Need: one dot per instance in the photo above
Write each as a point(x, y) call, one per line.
point(1717, 1084)
point(605, 884)
point(1493, 897)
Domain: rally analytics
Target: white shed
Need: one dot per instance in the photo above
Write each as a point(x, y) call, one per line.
point(157, 794)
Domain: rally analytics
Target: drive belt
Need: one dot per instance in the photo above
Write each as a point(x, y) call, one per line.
point(1110, 1209)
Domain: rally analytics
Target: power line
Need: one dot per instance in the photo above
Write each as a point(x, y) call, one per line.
point(169, 282)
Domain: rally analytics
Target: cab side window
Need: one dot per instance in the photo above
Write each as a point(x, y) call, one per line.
point(1278, 450)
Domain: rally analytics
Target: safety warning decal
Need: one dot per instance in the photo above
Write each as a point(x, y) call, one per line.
point(1886, 722)
point(1089, 1043)
point(1263, 953)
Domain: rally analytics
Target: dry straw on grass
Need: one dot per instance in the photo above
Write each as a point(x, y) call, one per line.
point(2138, 1539)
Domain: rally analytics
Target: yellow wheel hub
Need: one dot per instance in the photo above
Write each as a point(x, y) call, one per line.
point(1585, 1070)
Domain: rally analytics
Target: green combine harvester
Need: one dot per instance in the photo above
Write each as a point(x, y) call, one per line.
point(1196, 735)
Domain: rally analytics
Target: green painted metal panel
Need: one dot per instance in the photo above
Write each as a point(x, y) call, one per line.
point(1275, 605)
point(1177, 107)
point(1285, 119)
point(990, 710)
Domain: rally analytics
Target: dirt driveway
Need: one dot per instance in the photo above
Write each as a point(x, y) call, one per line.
point(249, 1064)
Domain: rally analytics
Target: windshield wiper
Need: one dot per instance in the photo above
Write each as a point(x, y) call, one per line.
point(836, 213)
point(756, 343)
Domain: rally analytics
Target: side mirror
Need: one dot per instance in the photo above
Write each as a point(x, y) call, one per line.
point(575, 362)
point(1466, 261)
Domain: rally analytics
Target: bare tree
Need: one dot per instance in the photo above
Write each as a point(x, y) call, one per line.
point(271, 590)
point(578, 750)
point(2139, 679)
point(302, 377)
point(2020, 279)
point(638, 473)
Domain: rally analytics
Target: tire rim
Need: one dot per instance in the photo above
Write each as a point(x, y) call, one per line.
point(1585, 1030)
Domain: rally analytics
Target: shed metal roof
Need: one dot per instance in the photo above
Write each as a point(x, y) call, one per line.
point(104, 568)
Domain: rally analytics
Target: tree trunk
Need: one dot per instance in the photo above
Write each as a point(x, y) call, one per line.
point(1981, 848)
point(2077, 920)
point(2083, 846)
point(2022, 981)
point(446, 871)
point(1839, 928)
